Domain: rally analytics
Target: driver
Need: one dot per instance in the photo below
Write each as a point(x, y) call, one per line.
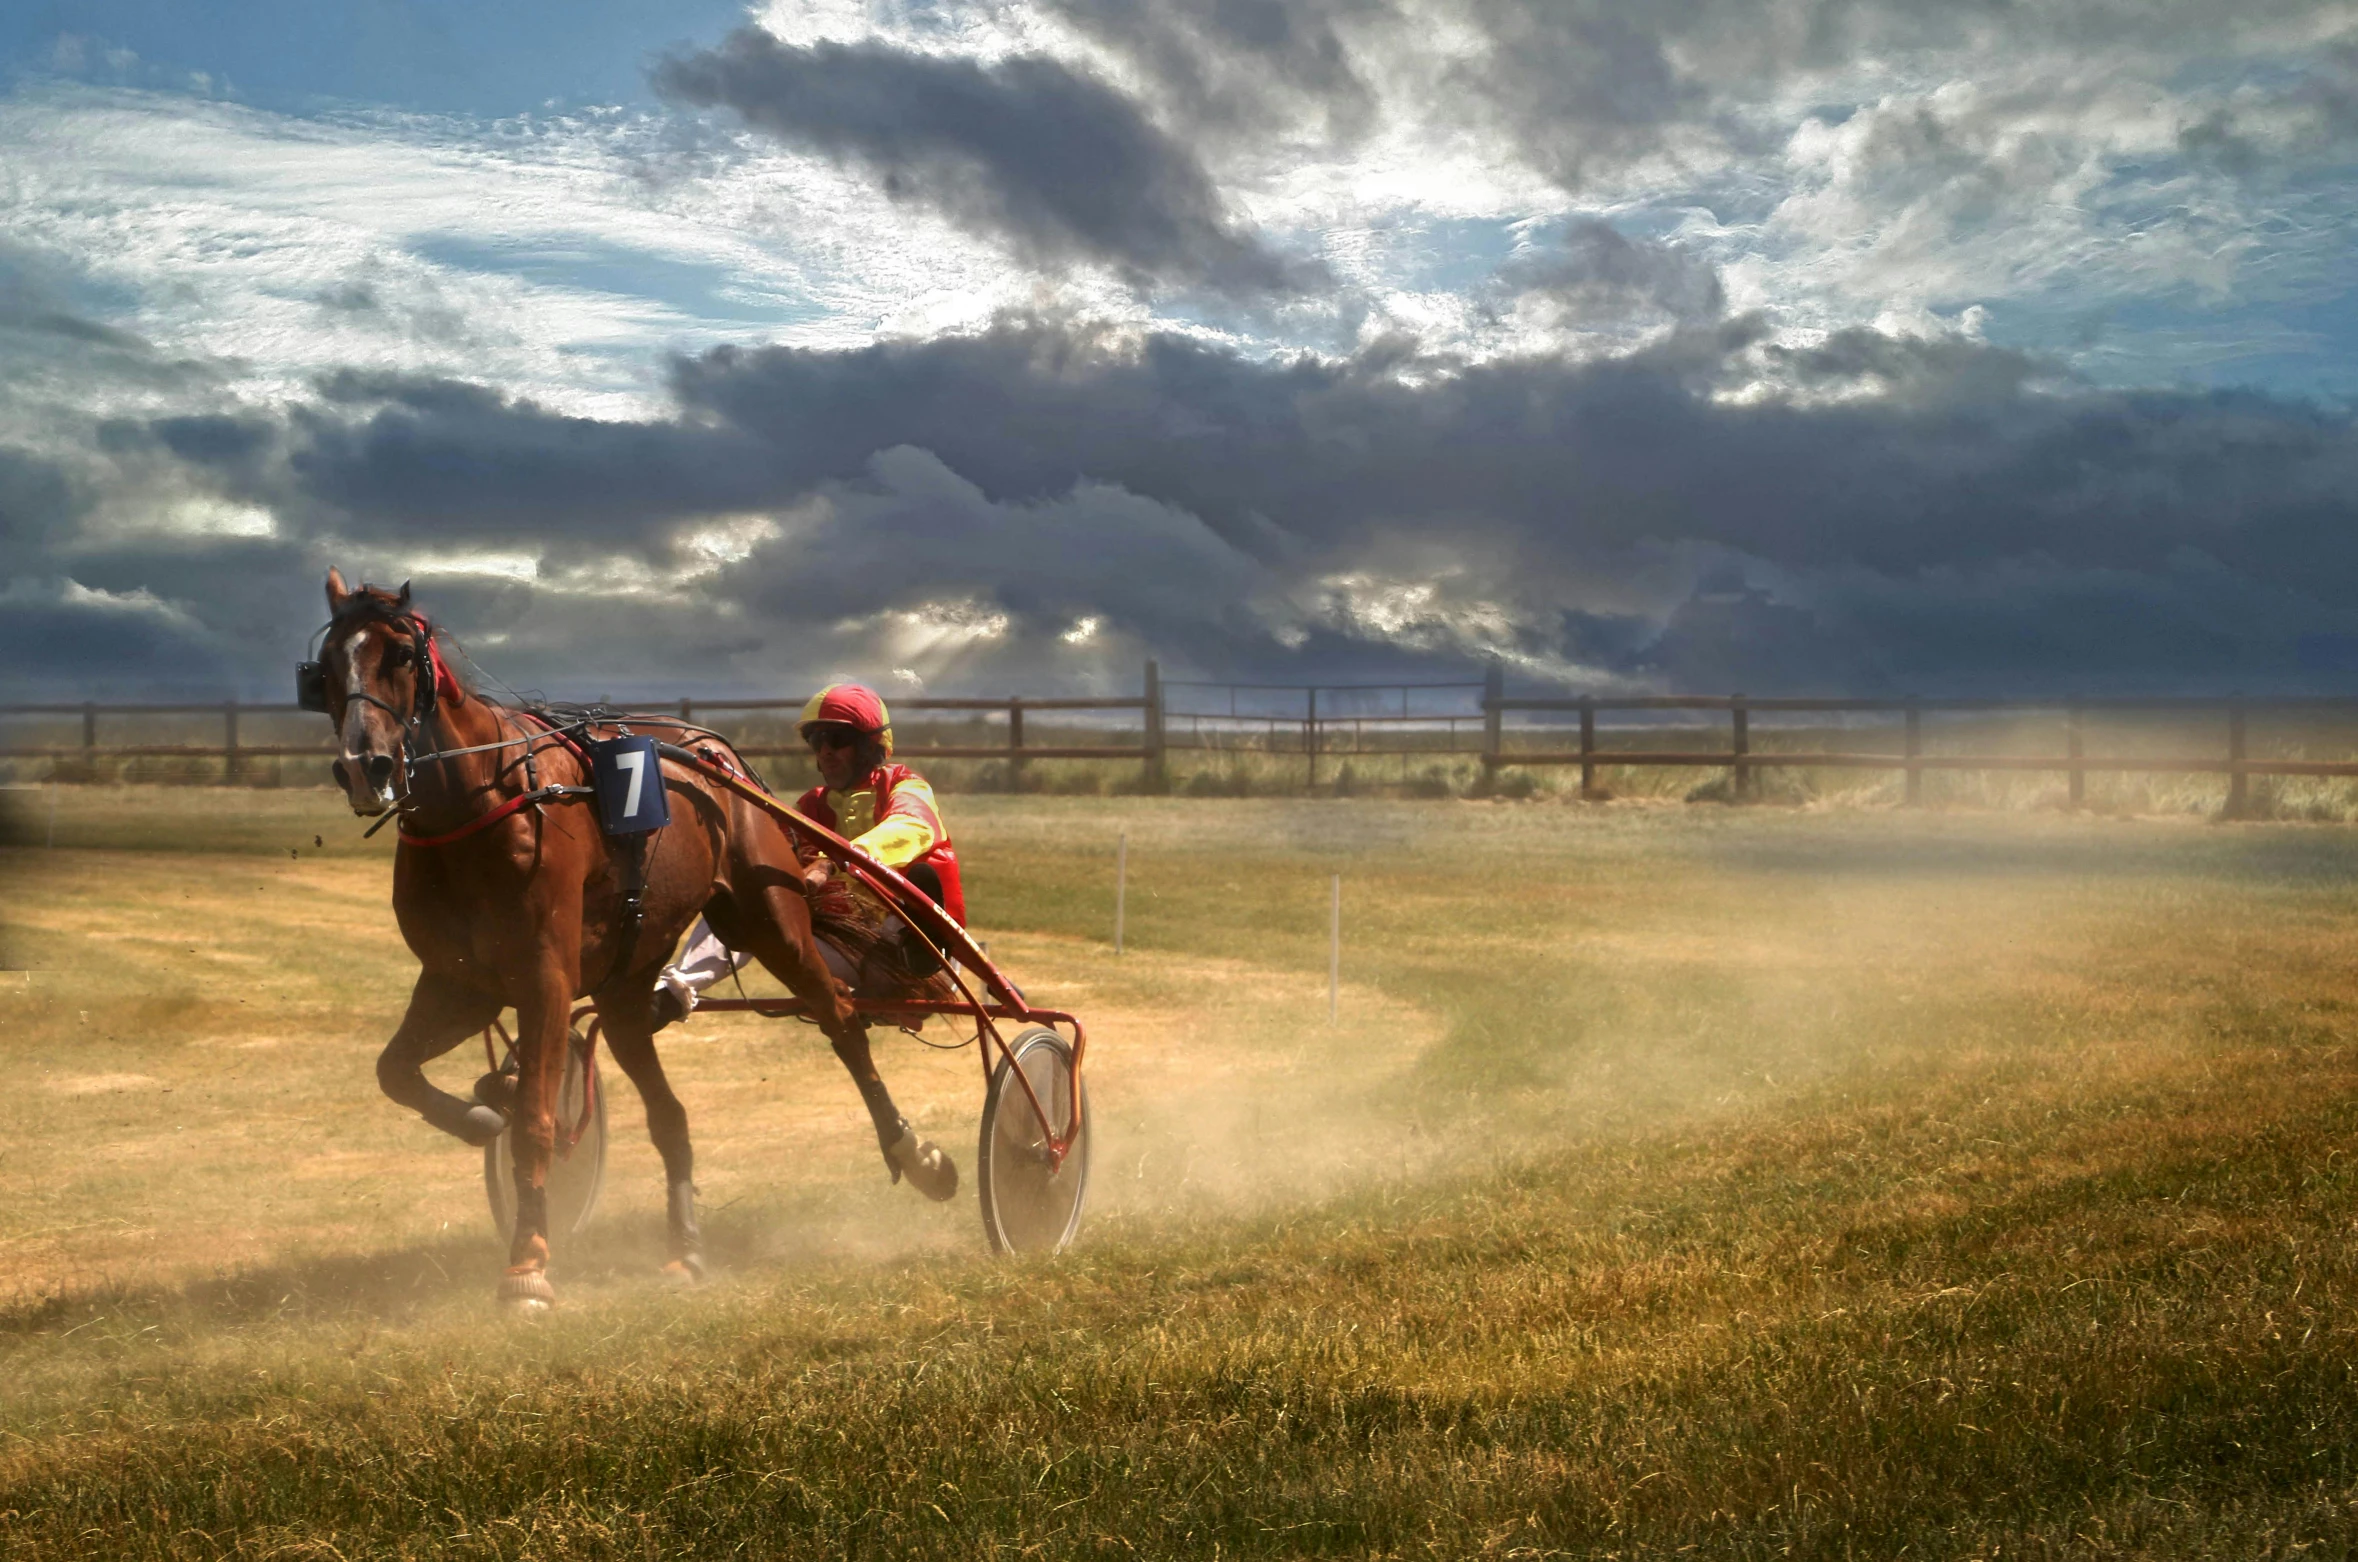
point(885, 809)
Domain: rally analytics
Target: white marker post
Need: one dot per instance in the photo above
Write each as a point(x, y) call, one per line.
point(1121, 885)
point(1334, 954)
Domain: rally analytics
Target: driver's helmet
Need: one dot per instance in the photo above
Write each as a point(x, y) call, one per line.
point(854, 705)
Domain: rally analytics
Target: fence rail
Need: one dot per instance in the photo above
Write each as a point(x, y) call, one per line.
point(233, 752)
point(1462, 719)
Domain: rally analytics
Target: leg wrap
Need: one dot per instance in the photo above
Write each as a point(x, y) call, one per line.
point(882, 1112)
point(687, 1237)
point(532, 1214)
point(469, 1120)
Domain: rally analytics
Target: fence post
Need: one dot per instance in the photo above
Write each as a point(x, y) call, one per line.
point(1121, 884)
point(2079, 775)
point(230, 766)
point(90, 740)
point(1334, 953)
point(1743, 746)
point(1493, 721)
point(1015, 743)
point(1310, 738)
point(1153, 778)
point(1588, 747)
point(1915, 754)
point(687, 710)
point(2236, 798)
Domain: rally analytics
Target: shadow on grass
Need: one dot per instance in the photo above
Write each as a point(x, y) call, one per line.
point(386, 1286)
point(463, 1268)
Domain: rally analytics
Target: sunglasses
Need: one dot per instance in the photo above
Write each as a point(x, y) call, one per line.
point(822, 738)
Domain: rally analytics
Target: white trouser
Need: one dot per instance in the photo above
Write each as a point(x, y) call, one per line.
point(705, 960)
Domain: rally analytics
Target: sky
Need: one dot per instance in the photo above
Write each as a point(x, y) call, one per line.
point(1805, 346)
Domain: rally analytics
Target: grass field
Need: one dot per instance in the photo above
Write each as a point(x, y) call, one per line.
point(1735, 1182)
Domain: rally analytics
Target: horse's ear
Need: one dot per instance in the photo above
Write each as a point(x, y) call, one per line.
point(338, 592)
point(403, 600)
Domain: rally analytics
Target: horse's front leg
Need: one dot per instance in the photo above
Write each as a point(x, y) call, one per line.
point(626, 1009)
point(544, 1002)
point(441, 1014)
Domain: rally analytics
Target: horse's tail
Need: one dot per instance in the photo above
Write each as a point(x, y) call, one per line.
point(852, 922)
point(886, 956)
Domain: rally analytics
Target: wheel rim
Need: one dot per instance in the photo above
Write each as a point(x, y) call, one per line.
point(575, 1179)
point(1027, 1207)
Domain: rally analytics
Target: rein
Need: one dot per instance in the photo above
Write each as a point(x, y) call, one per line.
point(546, 794)
point(533, 796)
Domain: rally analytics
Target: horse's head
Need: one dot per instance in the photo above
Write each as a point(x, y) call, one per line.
point(377, 674)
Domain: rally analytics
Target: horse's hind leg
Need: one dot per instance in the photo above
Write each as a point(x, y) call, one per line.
point(928, 1166)
point(779, 936)
point(441, 1015)
point(630, 1037)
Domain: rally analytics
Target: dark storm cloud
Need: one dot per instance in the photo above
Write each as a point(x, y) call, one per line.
point(1971, 466)
point(448, 460)
point(39, 500)
point(1220, 509)
point(910, 530)
point(59, 638)
point(1028, 151)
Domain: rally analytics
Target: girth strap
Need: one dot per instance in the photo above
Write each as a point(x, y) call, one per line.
point(630, 861)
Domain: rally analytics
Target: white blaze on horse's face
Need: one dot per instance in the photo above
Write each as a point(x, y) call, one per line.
point(371, 739)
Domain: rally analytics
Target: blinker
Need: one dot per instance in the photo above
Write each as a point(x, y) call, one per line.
point(311, 687)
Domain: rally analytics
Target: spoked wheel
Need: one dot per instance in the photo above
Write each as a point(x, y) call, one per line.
point(578, 1172)
point(1026, 1206)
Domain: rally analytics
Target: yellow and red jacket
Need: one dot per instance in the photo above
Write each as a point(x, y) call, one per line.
point(891, 815)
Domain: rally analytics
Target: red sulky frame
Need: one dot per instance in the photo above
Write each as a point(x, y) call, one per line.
point(950, 941)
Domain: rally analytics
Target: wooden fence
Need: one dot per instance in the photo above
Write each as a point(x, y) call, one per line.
point(1442, 719)
point(234, 751)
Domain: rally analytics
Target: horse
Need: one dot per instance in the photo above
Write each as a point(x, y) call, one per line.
point(510, 894)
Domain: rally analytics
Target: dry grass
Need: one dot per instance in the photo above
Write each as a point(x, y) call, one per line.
point(1747, 1182)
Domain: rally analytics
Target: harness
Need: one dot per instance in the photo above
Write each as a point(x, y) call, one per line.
point(628, 851)
point(535, 793)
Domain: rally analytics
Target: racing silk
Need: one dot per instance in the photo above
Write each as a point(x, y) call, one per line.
point(892, 817)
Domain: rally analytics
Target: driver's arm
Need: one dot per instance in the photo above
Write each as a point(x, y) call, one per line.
point(911, 826)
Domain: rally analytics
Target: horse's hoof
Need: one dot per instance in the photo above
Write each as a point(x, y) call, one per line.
point(685, 1271)
point(497, 1091)
point(929, 1171)
point(526, 1293)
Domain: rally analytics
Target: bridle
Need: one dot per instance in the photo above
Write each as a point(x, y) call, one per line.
point(420, 736)
point(419, 740)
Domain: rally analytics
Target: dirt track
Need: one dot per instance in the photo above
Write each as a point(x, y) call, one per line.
point(189, 1104)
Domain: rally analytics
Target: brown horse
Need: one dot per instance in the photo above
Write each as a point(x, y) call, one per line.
point(511, 895)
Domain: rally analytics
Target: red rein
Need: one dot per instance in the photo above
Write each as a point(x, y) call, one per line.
point(483, 822)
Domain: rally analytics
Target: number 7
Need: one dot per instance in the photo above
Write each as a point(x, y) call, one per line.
point(636, 763)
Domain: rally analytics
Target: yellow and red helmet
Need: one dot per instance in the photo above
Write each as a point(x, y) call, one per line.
point(853, 705)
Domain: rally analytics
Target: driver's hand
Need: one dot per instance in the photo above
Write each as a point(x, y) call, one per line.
point(817, 872)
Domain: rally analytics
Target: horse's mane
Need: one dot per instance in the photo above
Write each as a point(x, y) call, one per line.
point(367, 604)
